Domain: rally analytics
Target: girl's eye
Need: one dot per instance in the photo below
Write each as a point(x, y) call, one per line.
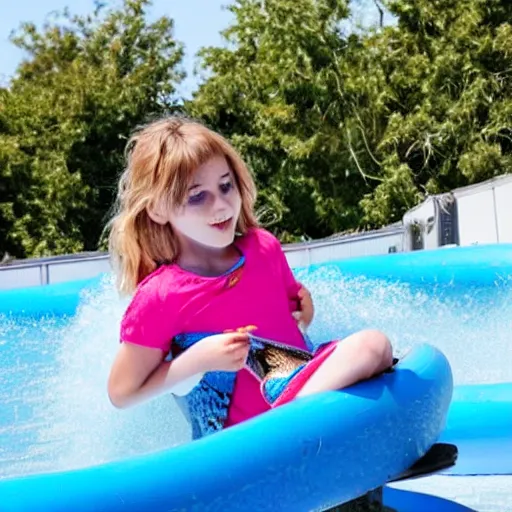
point(226, 187)
point(197, 199)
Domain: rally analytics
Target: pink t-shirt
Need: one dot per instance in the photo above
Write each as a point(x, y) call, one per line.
point(262, 292)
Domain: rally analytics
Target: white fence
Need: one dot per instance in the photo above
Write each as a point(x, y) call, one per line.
point(36, 272)
point(382, 241)
point(43, 271)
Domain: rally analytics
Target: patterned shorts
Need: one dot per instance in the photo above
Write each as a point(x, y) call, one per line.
point(273, 388)
point(278, 391)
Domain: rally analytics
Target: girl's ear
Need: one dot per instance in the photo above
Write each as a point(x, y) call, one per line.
point(157, 213)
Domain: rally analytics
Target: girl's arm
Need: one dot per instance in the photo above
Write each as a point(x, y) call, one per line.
point(139, 373)
point(296, 291)
point(304, 316)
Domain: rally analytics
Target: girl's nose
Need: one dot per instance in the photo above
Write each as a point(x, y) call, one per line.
point(220, 202)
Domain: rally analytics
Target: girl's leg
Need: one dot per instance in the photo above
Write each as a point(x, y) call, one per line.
point(358, 357)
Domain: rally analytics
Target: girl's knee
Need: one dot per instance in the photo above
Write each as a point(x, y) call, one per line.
point(376, 345)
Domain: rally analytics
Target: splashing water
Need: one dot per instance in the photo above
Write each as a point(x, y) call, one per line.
point(471, 326)
point(55, 413)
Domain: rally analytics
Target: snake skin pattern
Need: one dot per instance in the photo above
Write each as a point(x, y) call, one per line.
point(206, 406)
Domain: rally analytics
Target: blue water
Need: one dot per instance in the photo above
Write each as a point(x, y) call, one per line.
point(54, 412)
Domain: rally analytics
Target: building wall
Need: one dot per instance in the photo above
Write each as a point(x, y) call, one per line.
point(378, 242)
point(477, 214)
point(503, 197)
point(485, 212)
point(52, 270)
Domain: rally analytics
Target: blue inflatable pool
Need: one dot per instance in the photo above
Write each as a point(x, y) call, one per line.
point(480, 424)
point(316, 452)
point(309, 455)
point(406, 501)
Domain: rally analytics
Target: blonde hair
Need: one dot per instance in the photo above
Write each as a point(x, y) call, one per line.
point(161, 158)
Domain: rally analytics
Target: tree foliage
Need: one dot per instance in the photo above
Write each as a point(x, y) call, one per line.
point(344, 129)
point(442, 90)
point(276, 91)
point(351, 130)
point(87, 81)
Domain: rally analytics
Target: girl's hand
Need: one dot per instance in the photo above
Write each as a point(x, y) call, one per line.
point(304, 316)
point(224, 352)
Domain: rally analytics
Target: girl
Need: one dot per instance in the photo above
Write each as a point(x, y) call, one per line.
point(209, 284)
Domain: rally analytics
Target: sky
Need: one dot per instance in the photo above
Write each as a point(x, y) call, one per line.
point(197, 23)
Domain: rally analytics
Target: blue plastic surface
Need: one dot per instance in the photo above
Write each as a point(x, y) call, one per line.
point(59, 299)
point(308, 455)
point(480, 424)
point(356, 438)
point(408, 501)
point(483, 265)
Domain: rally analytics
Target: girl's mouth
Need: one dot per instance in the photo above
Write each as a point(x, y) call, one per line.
point(222, 226)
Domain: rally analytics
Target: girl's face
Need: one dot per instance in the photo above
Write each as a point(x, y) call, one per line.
point(210, 213)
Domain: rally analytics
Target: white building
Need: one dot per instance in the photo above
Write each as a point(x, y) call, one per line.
point(477, 214)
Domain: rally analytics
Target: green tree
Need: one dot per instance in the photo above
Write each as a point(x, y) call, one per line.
point(64, 119)
point(350, 131)
point(441, 90)
point(277, 91)
point(344, 130)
